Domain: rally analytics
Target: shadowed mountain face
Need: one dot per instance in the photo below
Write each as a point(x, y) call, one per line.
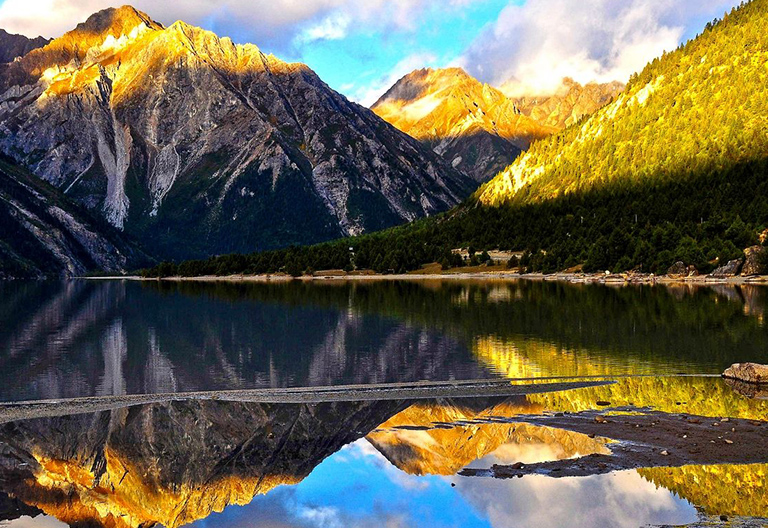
point(45, 234)
point(476, 127)
point(13, 46)
point(198, 146)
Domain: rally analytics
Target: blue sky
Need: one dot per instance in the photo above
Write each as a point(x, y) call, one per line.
point(358, 487)
point(361, 47)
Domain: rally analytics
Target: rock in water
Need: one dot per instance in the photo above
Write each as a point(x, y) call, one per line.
point(749, 372)
point(729, 270)
point(752, 264)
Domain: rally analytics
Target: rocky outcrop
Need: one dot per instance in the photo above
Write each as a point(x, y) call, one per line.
point(753, 261)
point(197, 146)
point(44, 234)
point(731, 269)
point(570, 103)
point(13, 46)
point(748, 372)
point(678, 269)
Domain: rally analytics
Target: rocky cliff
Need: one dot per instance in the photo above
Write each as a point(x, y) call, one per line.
point(569, 103)
point(198, 146)
point(44, 234)
point(13, 46)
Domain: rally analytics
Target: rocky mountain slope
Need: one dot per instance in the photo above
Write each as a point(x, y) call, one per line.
point(697, 109)
point(43, 233)
point(477, 127)
point(569, 104)
point(12, 46)
point(198, 146)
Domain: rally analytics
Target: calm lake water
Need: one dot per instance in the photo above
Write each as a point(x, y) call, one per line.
point(218, 463)
point(89, 338)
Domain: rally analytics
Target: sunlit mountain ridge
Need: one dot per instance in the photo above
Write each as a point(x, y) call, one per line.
point(197, 146)
point(475, 126)
point(699, 108)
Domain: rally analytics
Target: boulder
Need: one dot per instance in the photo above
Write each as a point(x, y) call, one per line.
point(752, 264)
point(692, 271)
point(748, 372)
point(729, 270)
point(678, 269)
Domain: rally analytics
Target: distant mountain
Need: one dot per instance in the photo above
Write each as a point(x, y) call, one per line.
point(197, 146)
point(44, 234)
point(696, 110)
point(12, 46)
point(475, 126)
point(569, 104)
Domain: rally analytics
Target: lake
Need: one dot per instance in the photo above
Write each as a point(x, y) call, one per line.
point(650, 354)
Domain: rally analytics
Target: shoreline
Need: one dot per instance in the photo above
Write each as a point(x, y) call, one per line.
point(571, 278)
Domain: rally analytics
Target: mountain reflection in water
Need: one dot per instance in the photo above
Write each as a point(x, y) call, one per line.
point(338, 464)
point(89, 338)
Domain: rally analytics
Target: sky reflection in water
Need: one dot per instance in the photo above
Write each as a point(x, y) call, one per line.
point(358, 487)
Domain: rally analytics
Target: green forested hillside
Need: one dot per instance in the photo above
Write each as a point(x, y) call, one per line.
point(700, 109)
point(676, 168)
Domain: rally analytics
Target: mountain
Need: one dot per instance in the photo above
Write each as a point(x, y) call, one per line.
point(475, 126)
point(12, 46)
point(198, 146)
point(43, 233)
point(569, 103)
point(697, 109)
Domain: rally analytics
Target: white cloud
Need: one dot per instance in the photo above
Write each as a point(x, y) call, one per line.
point(617, 500)
point(531, 47)
point(333, 27)
point(274, 22)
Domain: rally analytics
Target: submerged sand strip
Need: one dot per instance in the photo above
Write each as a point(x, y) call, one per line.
point(644, 438)
point(340, 393)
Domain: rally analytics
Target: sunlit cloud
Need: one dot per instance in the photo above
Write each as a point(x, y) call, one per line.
point(616, 500)
point(362, 47)
point(531, 47)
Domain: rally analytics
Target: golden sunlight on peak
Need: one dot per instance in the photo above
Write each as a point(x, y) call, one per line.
point(128, 496)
